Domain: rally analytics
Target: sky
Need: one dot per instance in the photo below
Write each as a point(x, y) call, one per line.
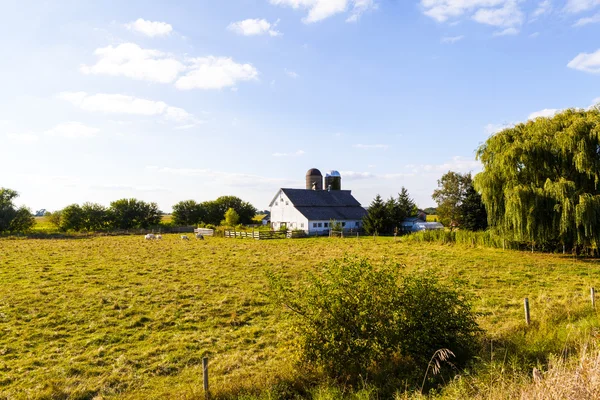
point(173, 100)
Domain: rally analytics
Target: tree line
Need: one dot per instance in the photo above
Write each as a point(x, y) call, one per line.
point(459, 205)
point(125, 214)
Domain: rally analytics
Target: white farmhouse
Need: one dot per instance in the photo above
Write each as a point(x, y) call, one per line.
point(313, 209)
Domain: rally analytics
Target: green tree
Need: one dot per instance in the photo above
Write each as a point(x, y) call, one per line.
point(540, 179)
point(55, 217)
point(188, 212)
point(71, 218)
point(374, 221)
point(231, 217)
point(216, 209)
point(23, 220)
point(8, 210)
point(95, 217)
point(449, 195)
point(133, 213)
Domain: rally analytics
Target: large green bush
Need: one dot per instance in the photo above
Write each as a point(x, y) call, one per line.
point(360, 323)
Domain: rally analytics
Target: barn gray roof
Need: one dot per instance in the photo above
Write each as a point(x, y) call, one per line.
point(325, 205)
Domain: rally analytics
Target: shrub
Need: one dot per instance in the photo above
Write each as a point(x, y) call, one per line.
point(358, 323)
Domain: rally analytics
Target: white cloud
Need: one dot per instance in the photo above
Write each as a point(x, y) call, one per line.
point(596, 101)
point(371, 146)
point(291, 74)
point(452, 39)
point(507, 32)
point(360, 7)
point(442, 10)
point(123, 104)
point(545, 113)
point(594, 19)
point(294, 154)
point(577, 6)
point(130, 60)
point(544, 7)
point(588, 62)
point(319, 10)
point(499, 13)
point(534, 35)
point(353, 176)
point(251, 27)
point(150, 28)
point(507, 16)
point(215, 73)
point(22, 137)
point(72, 130)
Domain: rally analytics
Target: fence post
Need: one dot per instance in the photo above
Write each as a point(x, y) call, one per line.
point(527, 318)
point(205, 377)
point(593, 296)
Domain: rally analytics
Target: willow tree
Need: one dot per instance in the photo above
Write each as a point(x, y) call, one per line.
point(541, 179)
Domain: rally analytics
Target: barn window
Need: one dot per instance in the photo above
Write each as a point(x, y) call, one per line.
point(357, 224)
point(302, 225)
point(314, 224)
point(325, 224)
point(287, 203)
point(320, 225)
point(275, 203)
point(343, 224)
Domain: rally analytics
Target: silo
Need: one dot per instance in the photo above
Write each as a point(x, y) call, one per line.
point(314, 179)
point(333, 180)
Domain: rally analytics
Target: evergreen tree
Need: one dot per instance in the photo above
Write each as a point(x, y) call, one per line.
point(473, 216)
point(406, 205)
point(375, 219)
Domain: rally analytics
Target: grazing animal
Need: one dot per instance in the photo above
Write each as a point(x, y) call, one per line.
point(199, 236)
point(150, 236)
point(158, 237)
point(184, 237)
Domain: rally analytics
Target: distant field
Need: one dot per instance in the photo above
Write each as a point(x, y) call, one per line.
point(43, 225)
point(120, 317)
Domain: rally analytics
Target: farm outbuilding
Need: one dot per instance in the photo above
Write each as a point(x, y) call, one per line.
point(312, 209)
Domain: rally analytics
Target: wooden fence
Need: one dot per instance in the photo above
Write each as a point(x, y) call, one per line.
point(263, 235)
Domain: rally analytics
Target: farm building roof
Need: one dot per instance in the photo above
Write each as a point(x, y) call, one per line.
point(325, 205)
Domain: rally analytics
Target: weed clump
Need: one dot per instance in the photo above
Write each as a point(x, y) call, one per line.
point(359, 324)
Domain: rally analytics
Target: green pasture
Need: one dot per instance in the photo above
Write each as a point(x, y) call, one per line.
point(121, 317)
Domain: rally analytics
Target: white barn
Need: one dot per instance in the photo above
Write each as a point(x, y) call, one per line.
point(313, 210)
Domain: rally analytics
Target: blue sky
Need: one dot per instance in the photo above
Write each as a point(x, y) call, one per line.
point(166, 101)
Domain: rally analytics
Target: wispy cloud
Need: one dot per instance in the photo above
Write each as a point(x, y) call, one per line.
point(123, 104)
point(587, 62)
point(225, 178)
point(594, 19)
point(452, 39)
point(150, 28)
point(254, 27)
point(291, 74)
point(545, 113)
point(319, 10)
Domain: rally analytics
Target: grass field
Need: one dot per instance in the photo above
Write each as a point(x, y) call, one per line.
point(120, 317)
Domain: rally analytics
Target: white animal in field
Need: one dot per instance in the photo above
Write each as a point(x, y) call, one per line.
point(158, 237)
point(199, 236)
point(184, 237)
point(150, 236)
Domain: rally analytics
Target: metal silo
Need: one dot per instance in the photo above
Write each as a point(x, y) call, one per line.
point(314, 179)
point(333, 180)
